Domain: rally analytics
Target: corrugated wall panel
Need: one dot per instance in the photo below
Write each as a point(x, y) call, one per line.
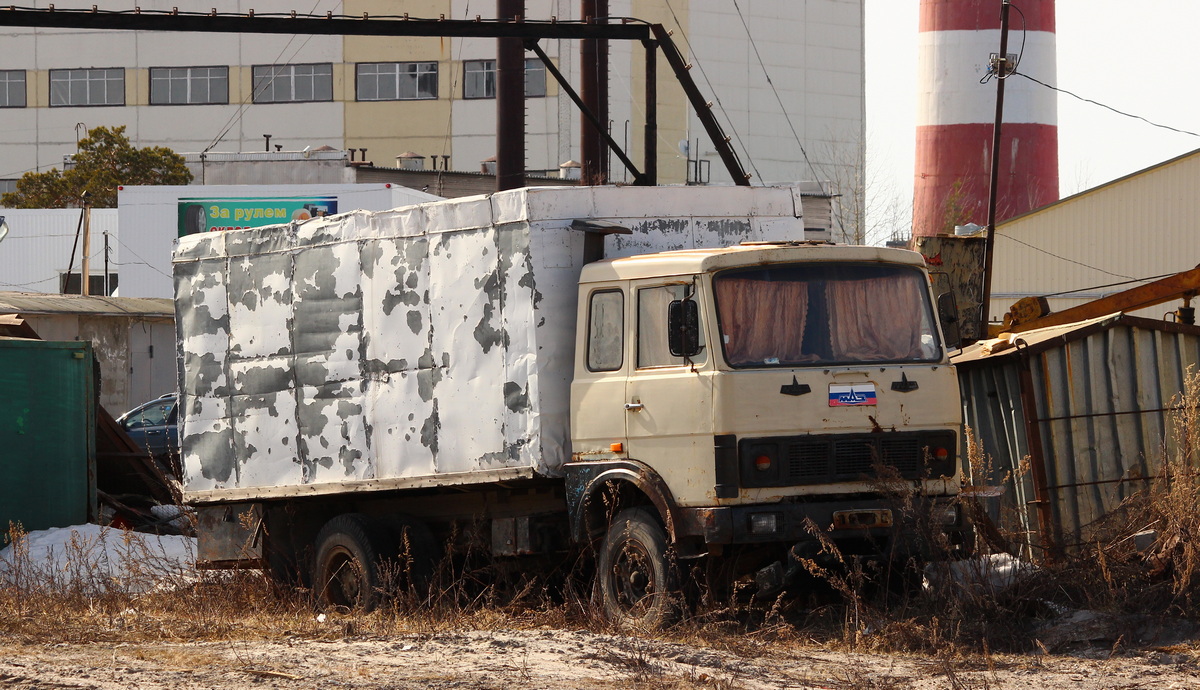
point(1143, 225)
point(38, 247)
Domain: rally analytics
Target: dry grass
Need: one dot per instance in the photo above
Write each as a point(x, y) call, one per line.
point(852, 605)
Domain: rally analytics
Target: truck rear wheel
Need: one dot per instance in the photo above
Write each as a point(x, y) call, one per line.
point(347, 567)
point(638, 583)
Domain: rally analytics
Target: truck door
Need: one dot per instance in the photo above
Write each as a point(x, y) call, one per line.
point(669, 420)
point(598, 390)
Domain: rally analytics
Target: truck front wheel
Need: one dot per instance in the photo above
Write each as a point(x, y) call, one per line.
point(346, 571)
point(637, 581)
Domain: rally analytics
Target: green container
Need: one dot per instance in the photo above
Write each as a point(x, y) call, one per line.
point(47, 434)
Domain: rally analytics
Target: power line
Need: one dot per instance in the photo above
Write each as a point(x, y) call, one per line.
point(1063, 258)
point(140, 260)
point(237, 115)
point(716, 96)
point(782, 108)
point(1108, 107)
point(29, 284)
point(1106, 285)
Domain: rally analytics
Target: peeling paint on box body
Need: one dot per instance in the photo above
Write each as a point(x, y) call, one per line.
point(424, 340)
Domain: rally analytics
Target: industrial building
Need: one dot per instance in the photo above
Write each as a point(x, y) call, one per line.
point(785, 79)
point(1102, 240)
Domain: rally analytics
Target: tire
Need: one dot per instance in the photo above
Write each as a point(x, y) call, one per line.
point(195, 219)
point(346, 570)
point(638, 582)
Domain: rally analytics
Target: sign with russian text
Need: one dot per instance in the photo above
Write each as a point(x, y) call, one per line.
point(212, 215)
point(851, 395)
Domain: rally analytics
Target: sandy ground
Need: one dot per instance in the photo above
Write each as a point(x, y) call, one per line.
point(563, 659)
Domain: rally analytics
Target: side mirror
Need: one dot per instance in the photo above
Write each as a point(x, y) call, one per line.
point(683, 328)
point(947, 308)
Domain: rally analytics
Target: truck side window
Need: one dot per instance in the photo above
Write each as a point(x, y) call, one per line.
point(653, 350)
point(606, 326)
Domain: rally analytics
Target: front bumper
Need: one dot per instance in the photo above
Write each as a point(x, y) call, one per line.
point(863, 518)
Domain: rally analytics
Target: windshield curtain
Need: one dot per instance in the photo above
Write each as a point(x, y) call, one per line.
point(826, 313)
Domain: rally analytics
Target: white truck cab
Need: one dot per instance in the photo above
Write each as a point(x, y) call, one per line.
point(750, 393)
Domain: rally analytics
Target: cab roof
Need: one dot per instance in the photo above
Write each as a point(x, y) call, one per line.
point(693, 261)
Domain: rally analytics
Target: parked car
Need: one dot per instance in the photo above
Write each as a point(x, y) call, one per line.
point(154, 426)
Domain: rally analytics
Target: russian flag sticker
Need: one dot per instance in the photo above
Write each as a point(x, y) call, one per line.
point(851, 396)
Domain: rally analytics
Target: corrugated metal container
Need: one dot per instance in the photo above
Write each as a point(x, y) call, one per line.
point(1075, 417)
point(426, 345)
point(47, 433)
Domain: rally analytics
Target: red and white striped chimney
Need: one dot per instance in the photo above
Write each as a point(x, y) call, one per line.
point(955, 113)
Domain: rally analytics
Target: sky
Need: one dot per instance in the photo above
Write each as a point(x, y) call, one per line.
point(1130, 56)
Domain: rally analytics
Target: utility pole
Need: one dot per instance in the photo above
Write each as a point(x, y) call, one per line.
point(1002, 68)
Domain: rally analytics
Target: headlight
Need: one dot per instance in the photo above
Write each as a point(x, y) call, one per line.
point(764, 523)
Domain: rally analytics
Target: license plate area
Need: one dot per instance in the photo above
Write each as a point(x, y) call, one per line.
point(862, 519)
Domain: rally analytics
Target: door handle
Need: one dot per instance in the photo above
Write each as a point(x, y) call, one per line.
point(633, 406)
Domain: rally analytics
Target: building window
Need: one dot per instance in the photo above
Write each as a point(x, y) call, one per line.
point(397, 81)
point(189, 85)
point(8, 186)
point(293, 83)
point(92, 86)
point(12, 88)
point(69, 284)
point(535, 78)
point(479, 79)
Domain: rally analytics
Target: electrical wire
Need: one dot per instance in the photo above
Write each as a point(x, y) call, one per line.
point(141, 261)
point(248, 99)
point(1107, 285)
point(1063, 258)
point(716, 96)
point(778, 99)
point(1020, 53)
point(1108, 107)
point(1017, 63)
point(448, 137)
point(29, 284)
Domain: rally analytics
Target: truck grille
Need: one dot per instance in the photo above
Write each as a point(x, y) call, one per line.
point(800, 460)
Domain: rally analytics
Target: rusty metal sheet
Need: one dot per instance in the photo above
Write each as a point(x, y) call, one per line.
point(230, 533)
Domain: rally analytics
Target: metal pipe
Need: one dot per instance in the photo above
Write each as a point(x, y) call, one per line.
point(650, 153)
point(592, 154)
point(510, 101)
point(638, 178)
point(317, 26)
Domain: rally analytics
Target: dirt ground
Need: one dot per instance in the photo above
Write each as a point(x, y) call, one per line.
point(565, 659)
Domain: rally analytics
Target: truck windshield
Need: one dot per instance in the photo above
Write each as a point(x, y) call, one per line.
point(825, 313)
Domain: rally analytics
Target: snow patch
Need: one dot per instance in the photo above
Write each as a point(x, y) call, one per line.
point(96, 559)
